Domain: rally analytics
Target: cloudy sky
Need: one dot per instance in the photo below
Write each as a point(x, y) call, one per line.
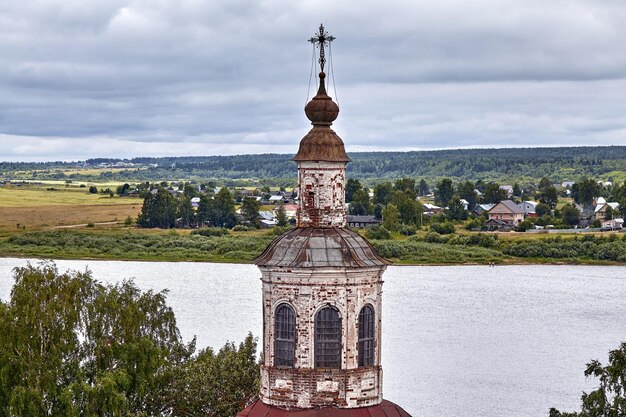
point(125, 78)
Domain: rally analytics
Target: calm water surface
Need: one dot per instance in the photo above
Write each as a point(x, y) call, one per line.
point(457, 340)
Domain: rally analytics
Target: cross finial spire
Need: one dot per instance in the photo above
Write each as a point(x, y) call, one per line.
point(322, 39)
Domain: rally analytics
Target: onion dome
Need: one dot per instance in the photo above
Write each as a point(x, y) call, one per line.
point(311, 247)
point(321, 143)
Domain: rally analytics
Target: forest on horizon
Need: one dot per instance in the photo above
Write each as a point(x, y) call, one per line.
point(497, 164)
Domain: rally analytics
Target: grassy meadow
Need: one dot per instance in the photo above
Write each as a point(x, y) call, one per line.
point(67, 222)
point(29, 208)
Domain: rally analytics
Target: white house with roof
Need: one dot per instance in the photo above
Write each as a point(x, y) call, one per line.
point(601, 208)
point(529, 207)
point(508, 189)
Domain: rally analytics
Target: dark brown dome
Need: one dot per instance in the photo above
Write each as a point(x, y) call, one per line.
point(312, 247)
point(321, 143)
point(321, 110)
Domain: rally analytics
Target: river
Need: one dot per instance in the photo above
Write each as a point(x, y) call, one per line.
point(457, 340)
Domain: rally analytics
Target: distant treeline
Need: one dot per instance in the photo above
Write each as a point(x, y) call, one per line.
point(503, 165)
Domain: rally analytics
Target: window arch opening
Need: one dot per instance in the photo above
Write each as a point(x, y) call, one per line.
point(285, 336)
point(366, 336)
point(328, 338)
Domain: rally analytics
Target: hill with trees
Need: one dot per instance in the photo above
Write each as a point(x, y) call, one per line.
point(501, 165)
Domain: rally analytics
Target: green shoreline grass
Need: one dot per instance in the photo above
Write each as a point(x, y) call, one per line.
point(174, 246)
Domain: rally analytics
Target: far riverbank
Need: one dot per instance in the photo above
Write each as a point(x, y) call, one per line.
point(131, 244)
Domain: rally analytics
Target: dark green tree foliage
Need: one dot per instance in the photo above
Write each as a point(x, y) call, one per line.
point(517, 190)
point(391, 218)
point(409, 208)
point(250, 211)
point(542, 209)
point(122, 189)
point(218, 210)
point(382, 193)
point(352, 186)
point(584, 191)
point(93, 189)
point(218, 384)
point(609, 399)
point(159, 210)
point(423, 188)
point(456, 210)
point(570, 214)
point(406, 185)
point(281, 216)
point(468, 193)
point(72, 346)
point(444, 192)
point(493, 193)
point(185, 212)
point(360, 204)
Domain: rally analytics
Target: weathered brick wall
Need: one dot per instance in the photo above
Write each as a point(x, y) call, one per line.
point(308, 290)
point(321, 194)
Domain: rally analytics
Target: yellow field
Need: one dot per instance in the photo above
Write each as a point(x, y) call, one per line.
point(35, 196)
point(33, 208)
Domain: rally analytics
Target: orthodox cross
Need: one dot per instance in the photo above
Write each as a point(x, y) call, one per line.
point(322, 39)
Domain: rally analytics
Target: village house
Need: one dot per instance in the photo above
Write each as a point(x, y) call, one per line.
point(361, 221)
point(601, 208)
point(481, 208)
point(529, 208)
point(431, 209)
point(613, 224)
point(504, 216)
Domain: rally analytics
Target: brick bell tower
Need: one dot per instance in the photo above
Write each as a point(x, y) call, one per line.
point(322, 291)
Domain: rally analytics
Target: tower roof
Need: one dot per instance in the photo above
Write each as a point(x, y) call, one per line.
point(310, 247)
point(384, 409)
point(321, 143)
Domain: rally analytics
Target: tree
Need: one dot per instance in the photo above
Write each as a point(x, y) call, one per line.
point(158, 210)
point(584, 191)
point(352, 186)
point(391, 218)
point(493, 194)
point(218, 384)
point(382, 193)
point(544, 182)
point(548, 195)
point(185, 211)
point(281, 216)
point(406, 185)
point(542, 209)
point(122, 189)
point(223, 214)
point(72, 346)
point(517, 190)
point(468, 193)
point(444, 192)
point(609, 399)
point(456, 210)
point(423, 188)
point(93, 189)
point(410, 210)
point(570, 214)
point(250, 211)
point(360, 204)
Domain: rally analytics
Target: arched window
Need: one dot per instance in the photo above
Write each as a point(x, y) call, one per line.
point(328, 338)
point(285, 336)
point(366, 336)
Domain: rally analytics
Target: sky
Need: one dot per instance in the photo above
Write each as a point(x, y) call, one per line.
point(125, 78)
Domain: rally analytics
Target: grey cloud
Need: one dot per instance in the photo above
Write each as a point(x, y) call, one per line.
point(231, 76)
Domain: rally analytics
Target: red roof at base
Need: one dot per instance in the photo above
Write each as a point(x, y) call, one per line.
point(384, 409)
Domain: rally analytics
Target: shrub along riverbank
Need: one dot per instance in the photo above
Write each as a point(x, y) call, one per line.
point(217, 245)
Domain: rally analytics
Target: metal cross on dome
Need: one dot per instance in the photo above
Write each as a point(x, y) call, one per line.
point(322, 39)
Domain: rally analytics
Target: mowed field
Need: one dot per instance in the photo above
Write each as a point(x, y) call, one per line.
point(35, 208)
